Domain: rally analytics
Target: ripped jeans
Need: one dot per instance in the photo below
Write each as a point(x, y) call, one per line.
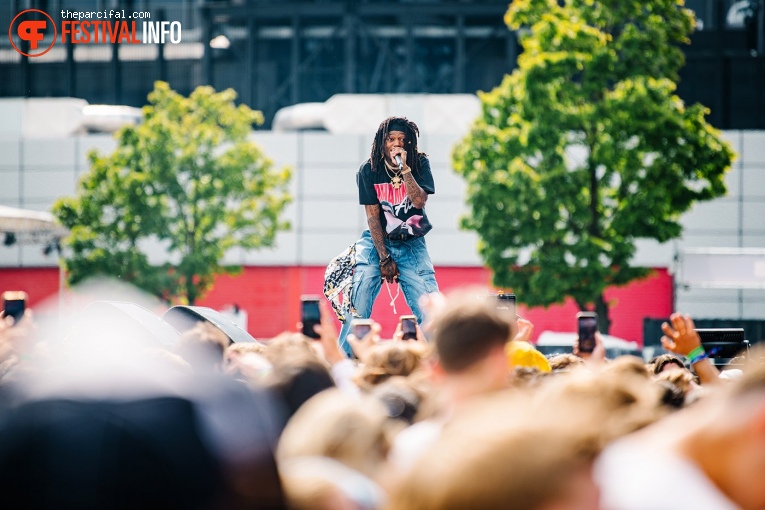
point(417, 277)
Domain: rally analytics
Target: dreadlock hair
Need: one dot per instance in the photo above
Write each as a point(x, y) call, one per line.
point(411, 131)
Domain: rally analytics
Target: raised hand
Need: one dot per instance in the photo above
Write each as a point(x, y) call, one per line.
point(680, 336)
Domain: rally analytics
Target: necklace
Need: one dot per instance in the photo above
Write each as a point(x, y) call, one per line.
point(395, 179)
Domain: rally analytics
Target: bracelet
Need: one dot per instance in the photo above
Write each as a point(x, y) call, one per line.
point(696, 352)
point(406, 171)
point(698, 358)
point(385, 260)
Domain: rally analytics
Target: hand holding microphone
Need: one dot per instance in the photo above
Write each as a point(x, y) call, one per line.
point(399, 159)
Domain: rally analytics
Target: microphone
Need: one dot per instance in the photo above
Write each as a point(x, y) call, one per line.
point(400, 163)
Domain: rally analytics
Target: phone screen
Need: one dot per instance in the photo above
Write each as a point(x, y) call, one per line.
point(587, 326)
point(409, 328)
point(360, 329)
point(310, 316)
point(14, 308)
point(506, 302)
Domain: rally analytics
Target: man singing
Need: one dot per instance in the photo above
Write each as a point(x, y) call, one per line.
point(394, 184)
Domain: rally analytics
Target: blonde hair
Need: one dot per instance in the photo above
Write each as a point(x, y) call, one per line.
point(243, 348)
point(286, 346)
point(565, 362)
point(681, 378)
point(352, 431)
point(496, 456)
point(390, 359)
point(618, 401)
point(629, 365)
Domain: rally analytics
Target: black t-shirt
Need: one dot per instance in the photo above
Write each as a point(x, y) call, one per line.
point(397, 214)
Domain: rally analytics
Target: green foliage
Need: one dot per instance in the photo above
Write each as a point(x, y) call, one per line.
point(186, 178)
point(585, 148)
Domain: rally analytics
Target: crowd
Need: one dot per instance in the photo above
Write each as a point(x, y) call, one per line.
point(466, 416)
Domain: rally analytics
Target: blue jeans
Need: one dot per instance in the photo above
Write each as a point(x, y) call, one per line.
point(417, 277)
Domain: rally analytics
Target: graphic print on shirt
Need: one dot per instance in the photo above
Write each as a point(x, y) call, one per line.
point(397, 209)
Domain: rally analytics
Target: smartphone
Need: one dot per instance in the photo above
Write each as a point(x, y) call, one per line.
point(361, 327)
point(14, 304)
point(310, 315)
point(506, 301)
point(586, 327)
point(409, 327)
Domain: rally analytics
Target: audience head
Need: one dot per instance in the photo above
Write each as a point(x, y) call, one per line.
point(352, 431)
point(522, 354)
point(671, 396)
point(682, 379)
point(620, 401)
point(389, 359)
point(467, 330)
point(565, 362)
point(402, 397)
point(286, 345)
point(202, 347)
point(321, 483)
point(628, 366)
point(234, 350)
point(667, 361)
point(245, 361)
point(527, 377)
point(297, 379)
point(492, 459)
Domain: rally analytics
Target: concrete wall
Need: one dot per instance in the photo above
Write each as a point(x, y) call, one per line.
point(736, 220)
point(326, 216)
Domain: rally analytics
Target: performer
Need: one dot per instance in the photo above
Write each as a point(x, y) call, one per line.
point(393, 248)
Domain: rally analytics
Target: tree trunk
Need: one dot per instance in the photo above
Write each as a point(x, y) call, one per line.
point(604, 321)
point(191, 291)
point(592, 167)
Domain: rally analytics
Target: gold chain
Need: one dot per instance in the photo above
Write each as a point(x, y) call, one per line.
point(395, 179)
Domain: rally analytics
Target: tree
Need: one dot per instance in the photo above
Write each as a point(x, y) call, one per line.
point(186, 180)
point(585, 148)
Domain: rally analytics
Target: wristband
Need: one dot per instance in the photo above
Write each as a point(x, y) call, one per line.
point(385, 260)
point(696, 352)
point(698, 358)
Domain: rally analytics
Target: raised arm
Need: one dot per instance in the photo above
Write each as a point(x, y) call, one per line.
point(681, 338)
point(413, 190)
point(388, 267)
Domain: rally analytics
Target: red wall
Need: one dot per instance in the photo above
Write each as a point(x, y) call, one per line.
point(271, 295)
point(39, 283)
